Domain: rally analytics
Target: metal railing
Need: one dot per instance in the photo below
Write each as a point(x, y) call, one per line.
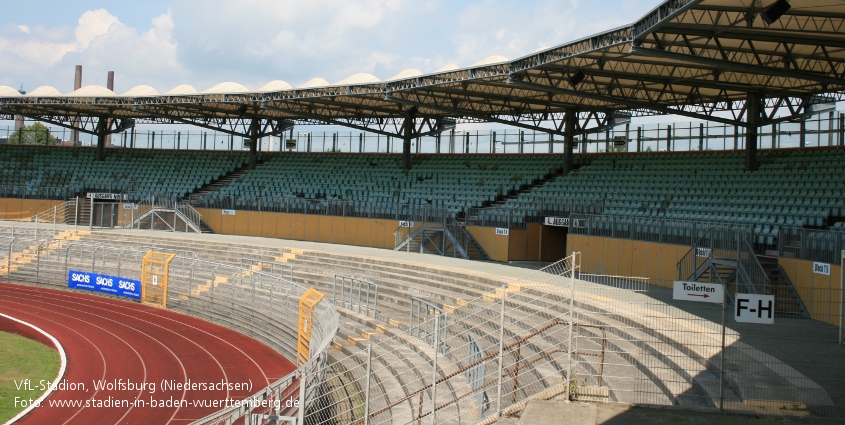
point(628, 283)
point(460, 237)
point(271, 267)
point(293, 205)
point(429, 322)
point(155, 205)
point(716, 242)
point(750, 269)
point(39, 192)
point(352, 293)
point(189, 213)
point(825, 129)
point(823, 246)
point(431, 216)
point(517, 216)
point(679, 232)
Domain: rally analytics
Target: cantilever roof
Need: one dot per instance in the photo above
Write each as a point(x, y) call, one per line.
point(690, 57)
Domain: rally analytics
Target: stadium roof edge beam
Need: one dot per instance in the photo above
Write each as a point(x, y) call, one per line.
point(696, 58)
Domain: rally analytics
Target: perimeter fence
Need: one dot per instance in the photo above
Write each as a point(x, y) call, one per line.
point(554, 334)
point(262, 305)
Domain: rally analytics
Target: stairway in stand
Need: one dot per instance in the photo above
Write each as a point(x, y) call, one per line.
point(526, 188)
point(224, 181)
point(787, 301)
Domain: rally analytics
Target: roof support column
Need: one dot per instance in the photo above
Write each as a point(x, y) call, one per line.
point(254, 128)
point(102, 135)
point(407, 136)
point(406, 144)
point(753, 110)
point(569, 139)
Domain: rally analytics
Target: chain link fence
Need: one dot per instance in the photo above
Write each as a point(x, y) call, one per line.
point(261, 305)
point(554, 334)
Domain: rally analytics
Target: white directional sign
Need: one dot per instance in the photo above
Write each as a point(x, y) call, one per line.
point(753, 308)
point(502, 232)
point(405, 223)
point(557, 221)
point(821, 268)
point(698, 291)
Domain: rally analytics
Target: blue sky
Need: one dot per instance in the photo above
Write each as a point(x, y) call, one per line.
point(165, 43)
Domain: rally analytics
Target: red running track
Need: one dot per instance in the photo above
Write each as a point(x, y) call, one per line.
point(107, 340)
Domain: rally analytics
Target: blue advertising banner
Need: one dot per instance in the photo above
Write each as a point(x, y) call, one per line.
point(104, 283)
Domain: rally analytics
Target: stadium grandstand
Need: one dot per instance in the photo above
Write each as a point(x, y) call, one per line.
point(740, 185)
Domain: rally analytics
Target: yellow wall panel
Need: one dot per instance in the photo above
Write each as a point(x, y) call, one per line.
point(639, 259)
point(241, 222)
point(669, 262)
point(624, 257)
point(500, 245)
point(337, 229)
point(610, 249)
point(351, 226)
point(297, 227)
point(283, 226)
point(268, 225)
point(821, 294)
point(496, 246)
point(388, 240)
point(365, 232)
point(254, 223)
point(227, 224)
point(517, 245)
point(213, 218)
point(591, 261)
point(377, 233)
point(324, 228)
point(576, 243)
point(312, 228)
point(652, 259)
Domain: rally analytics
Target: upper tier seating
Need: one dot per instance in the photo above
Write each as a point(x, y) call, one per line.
point(791, 188)
point(454, 182)
point(139, 172)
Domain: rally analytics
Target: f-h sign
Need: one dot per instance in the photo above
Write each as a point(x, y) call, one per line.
point(754, 308)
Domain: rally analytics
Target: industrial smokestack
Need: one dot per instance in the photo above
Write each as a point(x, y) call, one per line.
point(77, 84)
point(77, 79)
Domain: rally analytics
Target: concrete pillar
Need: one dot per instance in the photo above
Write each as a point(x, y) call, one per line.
point(102, 129)
point(254, 128)
point(406, 144)
point(753, 110)
point(569, 139)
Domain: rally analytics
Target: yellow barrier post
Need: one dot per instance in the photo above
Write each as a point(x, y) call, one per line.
point(156, 268)
point(307, 302)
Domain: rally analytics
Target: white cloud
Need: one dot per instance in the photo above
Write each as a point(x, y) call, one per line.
point(252, 42)
point(258, 40)
point(515, 29)
point(99, 42)
point(93, 24)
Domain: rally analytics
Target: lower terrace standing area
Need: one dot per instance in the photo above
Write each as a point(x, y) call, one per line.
point(656, 351)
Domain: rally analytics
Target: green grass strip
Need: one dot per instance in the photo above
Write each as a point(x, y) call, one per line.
point(20, 359)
